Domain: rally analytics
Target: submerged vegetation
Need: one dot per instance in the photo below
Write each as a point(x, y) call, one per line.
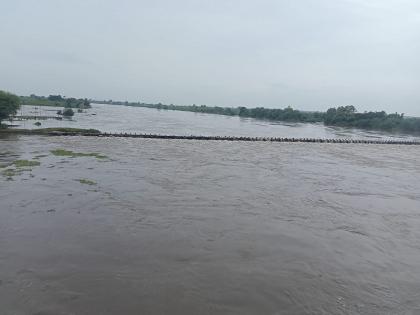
point(26, 163)
point(13, 168)
point(18, 167)
point(10, 169)
point(10, 172)
point(86, 181)
point(62, 152)
point(343, 116)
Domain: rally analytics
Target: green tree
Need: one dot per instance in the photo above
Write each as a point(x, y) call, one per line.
point(9, 104)
point(86, 103)
point(57, 98)
point(68, 112)
point(70, 102)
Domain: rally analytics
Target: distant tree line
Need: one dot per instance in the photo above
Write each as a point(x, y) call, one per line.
point(55, 100)
point(69, 103)
point(343, 116)
point(286, 114)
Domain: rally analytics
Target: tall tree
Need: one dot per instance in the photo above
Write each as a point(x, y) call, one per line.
point(9, 104)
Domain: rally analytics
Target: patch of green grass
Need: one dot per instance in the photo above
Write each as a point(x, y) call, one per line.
point(20, 166)
point(11, 172)
point(86, 181)
point(62, 152)
point(26, 163)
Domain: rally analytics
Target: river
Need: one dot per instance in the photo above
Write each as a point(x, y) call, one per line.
point(199, 227)
point(113, 118)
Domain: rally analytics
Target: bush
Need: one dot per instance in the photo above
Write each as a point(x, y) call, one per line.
point(68, 112)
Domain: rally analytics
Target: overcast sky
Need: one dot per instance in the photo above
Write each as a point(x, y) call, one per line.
point(310, 54)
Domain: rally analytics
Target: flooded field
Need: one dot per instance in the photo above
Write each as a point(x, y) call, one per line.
point(134, 226)
point(112, 118)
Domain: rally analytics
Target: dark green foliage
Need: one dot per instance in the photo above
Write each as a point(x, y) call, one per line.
point(287, 114)
point(40, 101)
point(69, 102)
point(55, 100)
point(348, 117)
point(9, 104)
point(77, 103)
point(344, 116)
point(68, 112)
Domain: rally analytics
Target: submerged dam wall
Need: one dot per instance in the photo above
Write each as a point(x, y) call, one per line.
point(236, 138)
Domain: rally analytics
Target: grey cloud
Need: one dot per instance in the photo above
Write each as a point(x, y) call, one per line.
point(310, 54)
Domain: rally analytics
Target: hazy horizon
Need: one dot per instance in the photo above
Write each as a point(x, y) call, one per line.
point(310, 55)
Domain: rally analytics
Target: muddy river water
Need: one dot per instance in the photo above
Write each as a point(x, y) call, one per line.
point(190, 227)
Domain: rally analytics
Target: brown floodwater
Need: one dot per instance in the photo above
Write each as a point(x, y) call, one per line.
point(200, 227)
